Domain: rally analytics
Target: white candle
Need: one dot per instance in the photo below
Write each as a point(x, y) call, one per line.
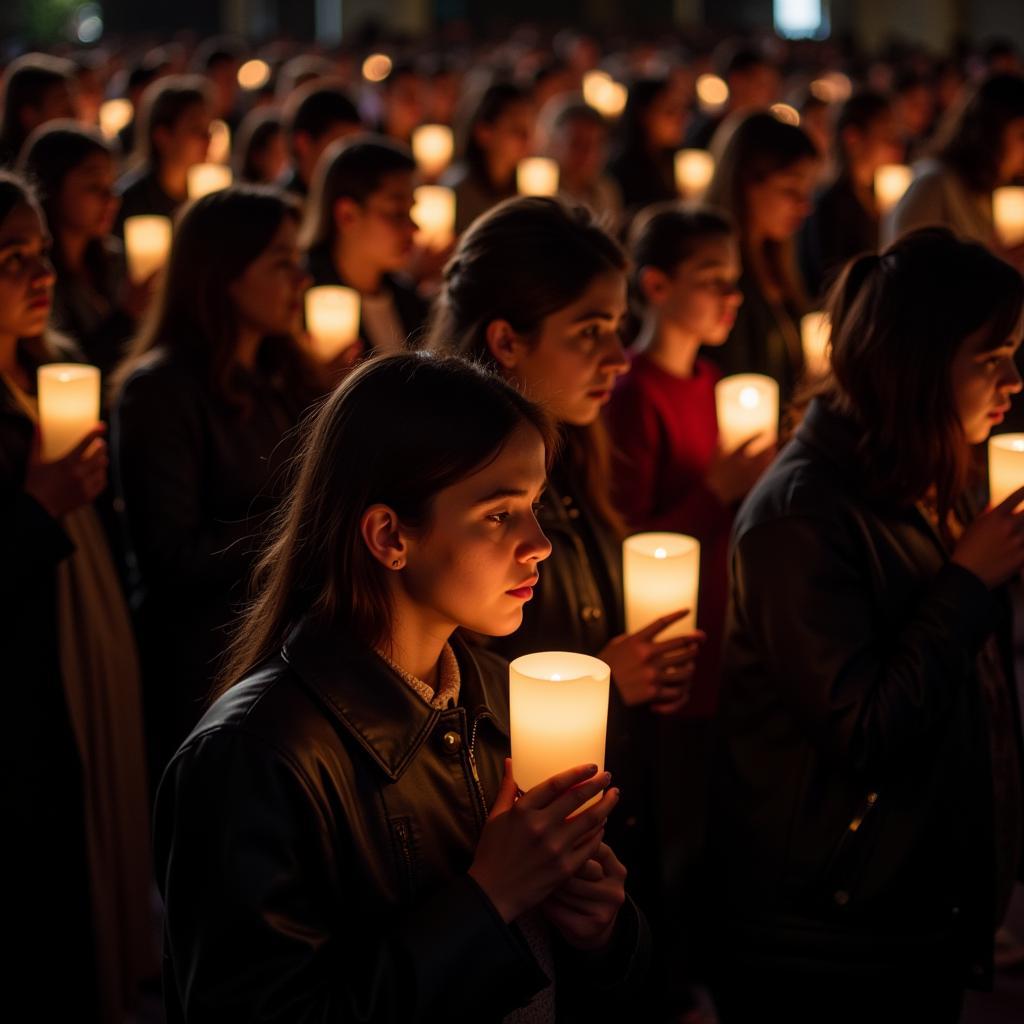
point(1008, 214)
point(1005, 466)
point(558, 709)
point(332, 316)
point(537, 176)
point(815, 334)
point(604, 94)
point(218, 151)
point(694, 169)
point(69, 404)
point(747, 404)
point(434, 213)
point(114, 115)
point(432, 146)
point(661, 573)
point(147, 241)
point(206, 178)
point(891, 181)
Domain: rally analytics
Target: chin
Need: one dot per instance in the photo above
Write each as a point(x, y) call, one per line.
point(497, 624)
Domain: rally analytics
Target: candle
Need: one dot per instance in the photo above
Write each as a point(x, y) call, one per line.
point(434, 213)
point(69, 404)
point(604, 94)
point(147, 240)
point(815, 333)
point(891, 181)
point(558, 710)
point(432, 146)
point(747, 404)
point(332, 316)
point(218, 151)
point(660, 575)
point(114, 115)
point(694, 168)
point(1005, 466)
point(537, 176)
point(206, 178)
point(1008, 213)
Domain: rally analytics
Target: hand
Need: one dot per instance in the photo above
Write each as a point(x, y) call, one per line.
point(732, 475)
point(654, 672)
point(137, 295)
point(585, 907)
point(992, 547)
point(530, 846)
point(73, 480)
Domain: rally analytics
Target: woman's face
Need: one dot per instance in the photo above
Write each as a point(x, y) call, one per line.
point(984, 381)
point(508, 138)
point(876, 144)
point(87, 205)
point(665, 120)
point(381, 229)
point(476, 563)
point(1011, 164)
point(26, 274)
point(571, 366)
point(777, 206)
point(185, 143)
point(272, 160)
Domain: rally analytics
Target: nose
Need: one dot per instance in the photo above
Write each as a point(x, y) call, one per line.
point(536, 546)
point(615, 359)
point(1012, 383)
point(44, 275)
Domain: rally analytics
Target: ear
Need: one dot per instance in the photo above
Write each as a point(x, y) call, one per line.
point(504, 343)
point(346, 212)
point(654, 285)
point(383, 536)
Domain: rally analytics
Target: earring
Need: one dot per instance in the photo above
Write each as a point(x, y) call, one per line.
point(395, 564)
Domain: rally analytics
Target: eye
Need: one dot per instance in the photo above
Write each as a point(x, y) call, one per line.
point(538, 507)
point(499, 518)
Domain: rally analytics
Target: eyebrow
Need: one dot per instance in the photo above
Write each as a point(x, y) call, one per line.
point(598, 314)
point(504, 492)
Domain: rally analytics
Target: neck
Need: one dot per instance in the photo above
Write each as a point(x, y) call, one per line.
point(668, 345)
point(248, 347)
point(357, 273)
point(72, 249)
point(8, 353)
point(501, 175)
point(174, 181)
point(416, 640)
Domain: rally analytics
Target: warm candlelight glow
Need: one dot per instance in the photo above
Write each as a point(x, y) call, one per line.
point(694, 169)
point(891, 181)
point(218, 151)
point(537, 176)
point(1008, 214)
point(815, 334)
point(747, 405)
point(377, 67)
point(1005, 466)
point(558, 710)
point(432, 146)
point(712, 91)
point(69, 404)
point(206, 178)
point(833, 87)
point(254, 74)
point(434, 213)
point(786, 114)
point(114, 115)
point(660, 574)
point(604, 94)
point(147, 241)
point(332, 318)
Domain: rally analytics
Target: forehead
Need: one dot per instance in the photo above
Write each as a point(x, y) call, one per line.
point(713, 251)
point(96, 163)
point(22, 222)
point(520, 465)
point(397, 183)
point(606, 293)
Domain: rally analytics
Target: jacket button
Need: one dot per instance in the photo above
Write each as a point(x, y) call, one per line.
point(573, 513)
point(451, 741)
point(588, 613)
point(567, 500)
point(842, 897)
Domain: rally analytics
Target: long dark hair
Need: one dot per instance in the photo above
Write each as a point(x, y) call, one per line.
point(400, 429)
point(897, 322)
point(484, 108)
point(163, 104)
point(630, 138)
point(522, 261)
point(25, 82)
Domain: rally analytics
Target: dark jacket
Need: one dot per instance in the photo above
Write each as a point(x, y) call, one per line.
point(142, 195)
point(643, 178)
point(855, 791)
point(313, 837)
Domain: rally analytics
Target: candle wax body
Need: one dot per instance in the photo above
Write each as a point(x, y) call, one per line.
point(332, 317)
point(1008, 214)
point(432, 146)
point(147, 241)
point(747, 404)
point(434, 214)
point(891, 181)
point(69, 404)
point(206, 178)
point(694, 170)
point(537, 176)
point(815, 332)
point(1005, 466)
point(661, 573)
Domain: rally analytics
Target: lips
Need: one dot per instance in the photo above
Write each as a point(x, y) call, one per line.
point(525, 589)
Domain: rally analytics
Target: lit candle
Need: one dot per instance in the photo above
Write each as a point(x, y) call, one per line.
point(537, 176)
point(1008, 213)
point(206, 178)
point(218, 151)
point(815, 333)
point(558, 710)
point(891, 181)
point(69, 404)
point(432, 146)
point(332, 316)
point(434, 213)
point(660, 574)
point(147, 240)
point(114, 115)
point(604, 94)
point(694, 169)
point(747, 404)
point(1005, 466)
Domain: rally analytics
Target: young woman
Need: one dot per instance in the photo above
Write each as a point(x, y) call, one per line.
point(339, 837)
point(204, 410)
point(764, 176)
point(870, 789)
point(36, 88)
point(261, 152)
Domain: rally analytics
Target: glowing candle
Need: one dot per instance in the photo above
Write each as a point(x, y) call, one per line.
point(114, 115)
point(1008, 213)
point(747, 405)
point(712, 92)
point(206, 178)
point(69, 404)
point(1005, 466)
point(558, 704)
point(434, 213)
point(332, 316)
point(537, 176)
point(891, 181)
point(432, 146)
point(604, 94)
point(815, 333)
point(147, 241)
point(694, 169)
point(218, 151)
point(661, 572)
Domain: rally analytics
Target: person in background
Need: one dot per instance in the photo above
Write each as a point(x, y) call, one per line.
point(403, 94)
point(36, 88)
point(87, 90)
point(550, 81)
point(218, 60)
point(261, 148)
point(444, 87)
point(138, 79)
point(913, 105)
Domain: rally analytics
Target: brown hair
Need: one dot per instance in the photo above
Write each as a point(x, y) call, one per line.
point(163, 104)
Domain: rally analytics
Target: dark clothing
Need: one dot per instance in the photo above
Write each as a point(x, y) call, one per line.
point(474, 194)
point(855, 830)
point(702, 130)
point(142, 195)
point(313, 839)
point(292, 182)
point(643, 178)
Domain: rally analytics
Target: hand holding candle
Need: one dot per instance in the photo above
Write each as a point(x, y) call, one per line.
point(1005, 466)
point(747, 405)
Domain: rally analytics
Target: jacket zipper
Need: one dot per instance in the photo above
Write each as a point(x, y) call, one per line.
point(402, 835)
point(870, 800)
point(472, 764)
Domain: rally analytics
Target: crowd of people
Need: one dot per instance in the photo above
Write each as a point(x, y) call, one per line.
point(259, 617)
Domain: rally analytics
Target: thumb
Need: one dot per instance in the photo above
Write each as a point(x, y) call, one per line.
point(506, 794)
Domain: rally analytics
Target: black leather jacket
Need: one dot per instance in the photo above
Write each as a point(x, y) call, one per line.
point(313, 836)
point(855, 792)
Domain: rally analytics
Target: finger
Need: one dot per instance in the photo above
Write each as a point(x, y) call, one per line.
point(546, 792)
point(585, 906)
point(506, 797)
point(1009, 505)
point(572, 800)
point(95, 432)
point(592, 871)
point(685, 658)
point(610, 864)
point(670, 708)
point(588, 820)
point(651, 631)
point(745, 445)
point(581, 889)
point(694, 640)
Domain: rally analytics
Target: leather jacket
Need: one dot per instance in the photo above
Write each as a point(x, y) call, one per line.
point(313, 837)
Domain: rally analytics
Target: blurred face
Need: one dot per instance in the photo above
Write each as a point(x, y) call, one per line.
point(915, 109)
point(777, 206)
point(87, 205)
point(26, 274)
point(184, 143)
point(874, 146)
point(984, 381)
point(380, 230)
point(477, 562)
point(508, 138)
point(88, 97)
point(405, 106)
point(57, 101)
point(665, 120)
point(223, 78)
point(272, 160)
point(1011, 164)
point(580, 148)
point(756, 88)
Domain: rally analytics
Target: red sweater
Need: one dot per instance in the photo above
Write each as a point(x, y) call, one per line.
point(665, 433)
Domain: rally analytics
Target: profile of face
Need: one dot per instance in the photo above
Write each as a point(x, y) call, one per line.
point(86, 204)
point(571, 362)
point(778, 205)
point(268, 294)
point(876, 144)
point(404, 110)
point(665, 120)
point(580, 148)
point(185, 142)
point(756, 88)
point(701, 296)
point(984, 380)
point(26, 274)
point(508, 138)
point(1011, 161)
point(56, 102)
point(380, 229)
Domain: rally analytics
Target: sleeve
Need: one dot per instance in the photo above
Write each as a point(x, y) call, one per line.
point(31, 543)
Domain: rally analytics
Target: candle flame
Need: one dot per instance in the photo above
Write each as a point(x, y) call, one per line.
point(660, 553)
point(749, 398)
point(1018, 446)
point(556, 678)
